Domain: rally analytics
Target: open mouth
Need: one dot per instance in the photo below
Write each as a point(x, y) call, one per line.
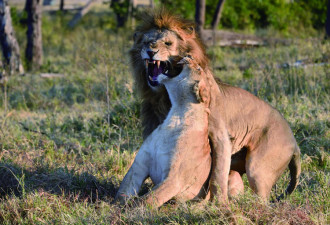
point(156, 67)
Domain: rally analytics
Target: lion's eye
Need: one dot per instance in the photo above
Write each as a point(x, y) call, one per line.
point(168, 43)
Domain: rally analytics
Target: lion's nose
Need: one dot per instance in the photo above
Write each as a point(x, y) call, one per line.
point(151, 54)
point(153, 44)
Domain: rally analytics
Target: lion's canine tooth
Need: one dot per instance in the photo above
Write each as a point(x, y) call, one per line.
point(166, 71)
point(150, 78)
point(154, 61)
point(158, 64)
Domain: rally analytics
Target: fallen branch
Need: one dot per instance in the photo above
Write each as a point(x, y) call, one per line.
point(26, 128)
point(233, 39)
point(299, 63)
point(51, 75)
point(81, 13)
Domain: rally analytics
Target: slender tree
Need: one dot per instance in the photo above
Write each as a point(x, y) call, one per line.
point(327, 22)
point(217, 14)
point(61, 5)
point(200, 15)
point(34, 37)
point(122, 9)
point(9, 44)
point(2, 72)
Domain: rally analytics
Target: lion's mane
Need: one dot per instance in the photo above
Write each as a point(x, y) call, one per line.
point(156, 105)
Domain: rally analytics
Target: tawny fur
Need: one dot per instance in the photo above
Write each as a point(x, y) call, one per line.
point(176, 155)
point(235, 184)
point(247, 135)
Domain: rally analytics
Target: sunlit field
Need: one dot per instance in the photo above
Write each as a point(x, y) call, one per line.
point(67, 141)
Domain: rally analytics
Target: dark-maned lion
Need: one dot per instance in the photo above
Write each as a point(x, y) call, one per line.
point(246, 134)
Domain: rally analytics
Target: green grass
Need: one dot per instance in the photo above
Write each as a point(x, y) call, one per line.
point(66, 143)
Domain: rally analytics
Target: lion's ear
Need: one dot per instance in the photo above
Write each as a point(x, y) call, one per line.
point(201, 92)
point(189, 30)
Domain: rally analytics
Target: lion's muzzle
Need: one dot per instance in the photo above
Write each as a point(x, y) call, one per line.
point(154, 68)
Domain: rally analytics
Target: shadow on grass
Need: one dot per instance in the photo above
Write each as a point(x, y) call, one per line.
point(17, 181)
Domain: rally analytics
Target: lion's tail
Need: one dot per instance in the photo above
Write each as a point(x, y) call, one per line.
point(295, 169)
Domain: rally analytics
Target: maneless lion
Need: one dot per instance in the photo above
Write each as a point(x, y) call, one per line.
point(176, 155)
point(246, 134)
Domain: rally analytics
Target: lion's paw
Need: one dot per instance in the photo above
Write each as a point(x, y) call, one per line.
point(186, 60)
point(189, 60)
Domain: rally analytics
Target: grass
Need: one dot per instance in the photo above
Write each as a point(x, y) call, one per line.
point(66, 143)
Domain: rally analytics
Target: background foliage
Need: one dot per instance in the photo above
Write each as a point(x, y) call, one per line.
point(281, 15)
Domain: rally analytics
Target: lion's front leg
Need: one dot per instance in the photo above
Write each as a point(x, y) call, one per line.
point(221, 157)
point(163, 192)
point(134, 178)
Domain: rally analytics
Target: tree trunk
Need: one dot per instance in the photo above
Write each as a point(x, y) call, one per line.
point(34, 37)
point(122, 9)
point(327, 22)
point(61, 5)
point(152, 4)
point(2, 72)
point(217, 14)
point(200, 15)
point(9, 44)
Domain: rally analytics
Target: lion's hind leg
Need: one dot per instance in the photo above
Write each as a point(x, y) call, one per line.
point(266, 163)
point(235, 184)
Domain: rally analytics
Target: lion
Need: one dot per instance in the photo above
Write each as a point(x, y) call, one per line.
point(176, 155)
point(246, 134)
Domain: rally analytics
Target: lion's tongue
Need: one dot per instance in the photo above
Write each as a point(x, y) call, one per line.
point(154, 71)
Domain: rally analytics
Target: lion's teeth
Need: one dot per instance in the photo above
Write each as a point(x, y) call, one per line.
point(166, 71)
point(158, 64)
point(154, 61)
point(150, 78)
